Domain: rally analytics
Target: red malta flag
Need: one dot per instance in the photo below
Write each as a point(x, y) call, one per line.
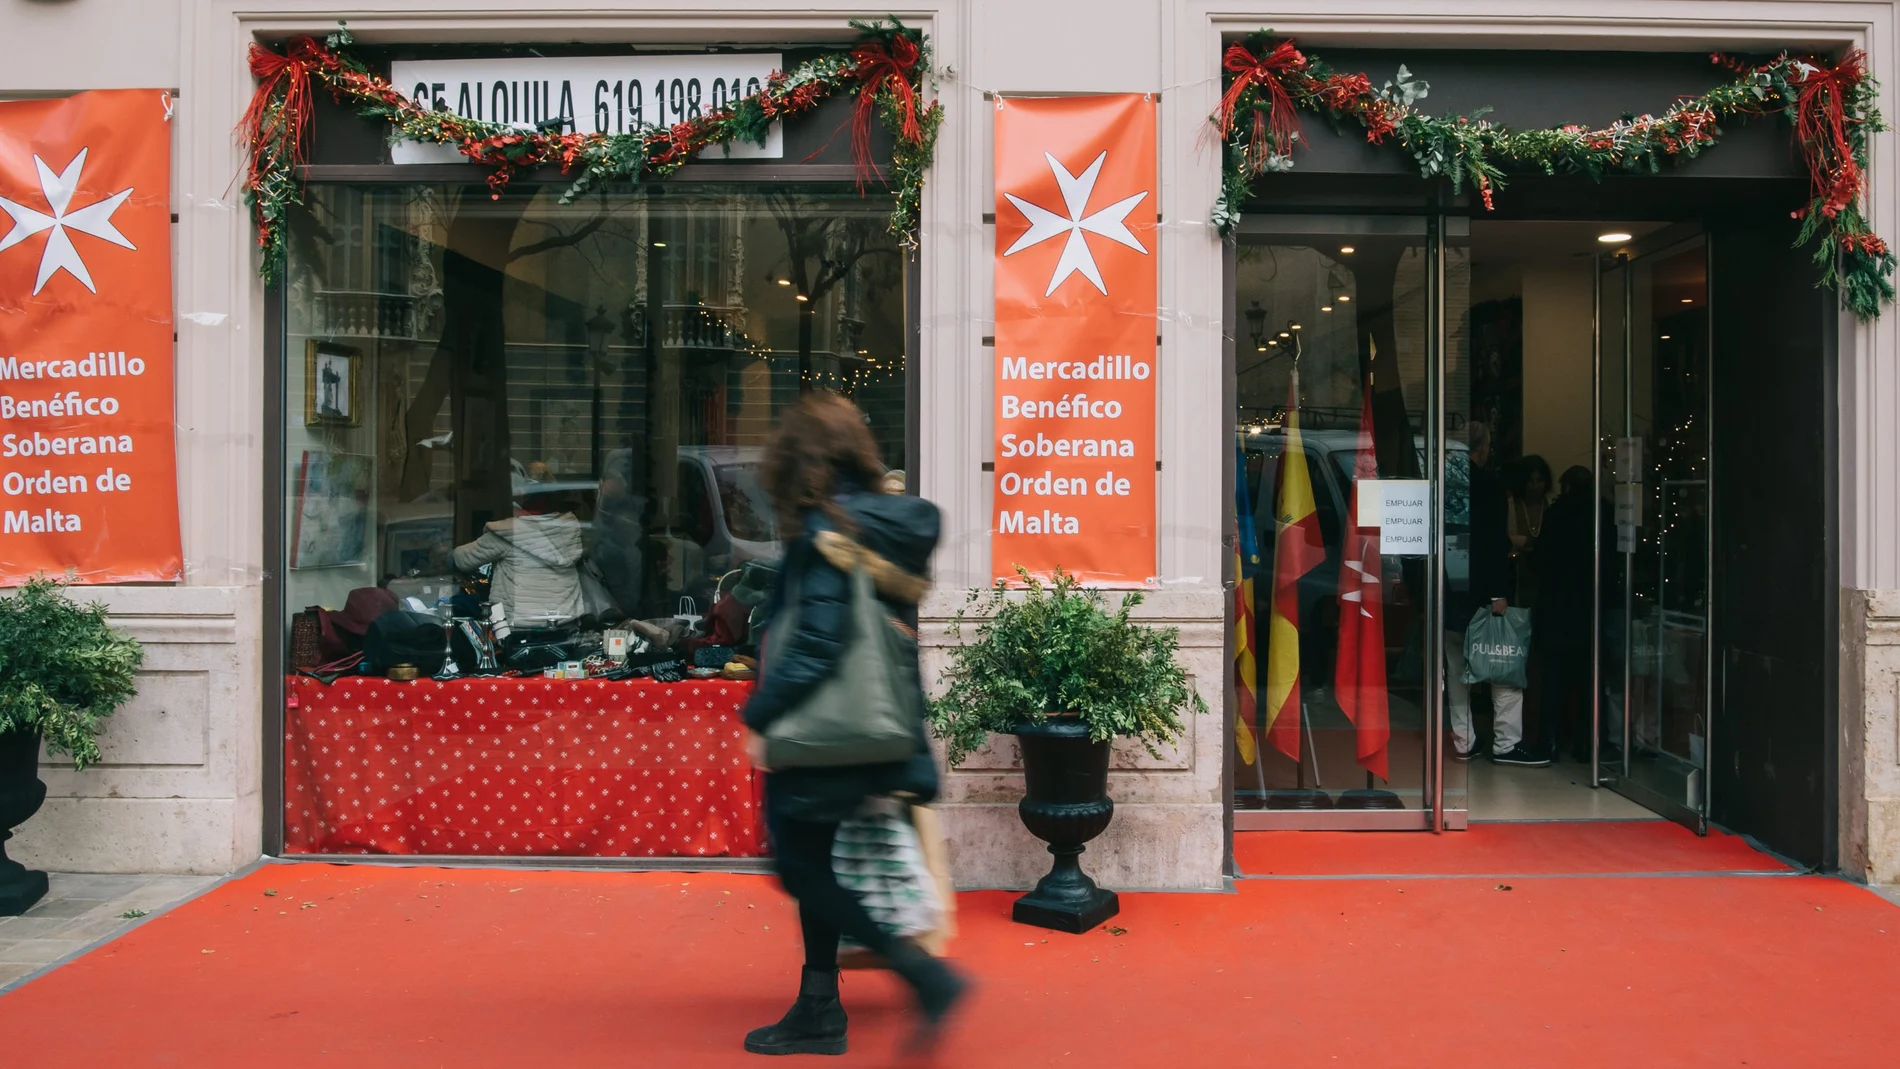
point(88, 474)
point(1359, 674)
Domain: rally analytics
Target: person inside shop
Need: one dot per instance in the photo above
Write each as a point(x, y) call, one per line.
point(1565, 563)
point(1530, 495)
point(1492, 585)
point(536, 555)
point(823, 475)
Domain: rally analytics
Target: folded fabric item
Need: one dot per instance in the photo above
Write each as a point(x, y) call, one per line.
point(400, 637)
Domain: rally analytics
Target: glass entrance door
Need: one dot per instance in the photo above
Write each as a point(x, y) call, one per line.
point(1336, 334)
point(1653, 557)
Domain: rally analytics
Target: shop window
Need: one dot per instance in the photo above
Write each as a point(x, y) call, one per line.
point(604, 374)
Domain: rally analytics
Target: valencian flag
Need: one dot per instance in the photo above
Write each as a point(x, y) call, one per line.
point(1298, 548)
point(1246, 630)
point(1359, 674)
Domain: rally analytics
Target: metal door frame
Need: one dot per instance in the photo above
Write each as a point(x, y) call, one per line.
point(1621, 781)
point(1432, 815)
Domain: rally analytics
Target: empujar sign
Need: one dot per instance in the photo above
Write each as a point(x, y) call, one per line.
point(88, 476)
point(1075, 338)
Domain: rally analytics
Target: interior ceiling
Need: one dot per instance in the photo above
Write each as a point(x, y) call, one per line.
point(1501, 243)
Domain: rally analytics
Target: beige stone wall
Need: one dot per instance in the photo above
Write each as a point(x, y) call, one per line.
point(1168, 827)
point(1870, 734)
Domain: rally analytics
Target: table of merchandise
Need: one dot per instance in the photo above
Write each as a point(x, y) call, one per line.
point(518, 767)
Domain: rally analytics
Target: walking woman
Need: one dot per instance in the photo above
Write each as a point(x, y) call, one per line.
point(823, 474)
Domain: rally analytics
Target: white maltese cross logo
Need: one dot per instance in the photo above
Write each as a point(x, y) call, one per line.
point(94, 219)
point(1109, 222)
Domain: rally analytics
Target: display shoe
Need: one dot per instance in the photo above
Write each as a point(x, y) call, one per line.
point(938, 988)
point(814, 1025)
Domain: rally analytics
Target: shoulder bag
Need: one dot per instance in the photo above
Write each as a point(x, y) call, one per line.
point(861, 714)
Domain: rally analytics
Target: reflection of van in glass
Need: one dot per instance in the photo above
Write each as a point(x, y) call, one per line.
point(725, 506)
point(1330, 459)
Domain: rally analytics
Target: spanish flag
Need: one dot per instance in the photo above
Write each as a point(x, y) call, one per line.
point(1246, 632)
point(1298, 548)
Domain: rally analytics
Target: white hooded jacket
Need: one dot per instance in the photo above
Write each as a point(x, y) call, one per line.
point(536, 580)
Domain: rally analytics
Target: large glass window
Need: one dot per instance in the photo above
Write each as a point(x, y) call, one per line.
point(561, 408)
point(1333, 344)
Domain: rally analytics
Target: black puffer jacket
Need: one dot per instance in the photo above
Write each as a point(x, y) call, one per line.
point(902, 532)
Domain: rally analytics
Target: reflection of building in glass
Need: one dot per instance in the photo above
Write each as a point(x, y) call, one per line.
point(622, 358)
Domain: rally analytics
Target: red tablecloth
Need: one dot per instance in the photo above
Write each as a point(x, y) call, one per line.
point(518, 767)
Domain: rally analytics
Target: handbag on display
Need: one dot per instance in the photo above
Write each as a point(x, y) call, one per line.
point(532, 651)
point(306, 638)
point(1498, 647)
point(880, 858)
point(861, 714)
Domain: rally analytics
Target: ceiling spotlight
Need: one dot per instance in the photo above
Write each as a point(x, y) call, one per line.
point(1343, 298)
point(1262, 348)
point(1325, 307)
point(1292, 326)
point(1688, 300)
point(659, 244)
point(784, 281)
point(1614, 237)
point(1284, 334)
point(802, 297)
point(1665, 337)
point(862, 352)
point(1273, 341)
point(1347, 249)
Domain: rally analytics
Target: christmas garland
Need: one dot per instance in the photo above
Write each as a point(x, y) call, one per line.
point(1830, 105)
point(885, 71)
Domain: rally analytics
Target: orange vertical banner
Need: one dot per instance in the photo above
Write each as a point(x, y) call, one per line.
point(1075, 338)
point(88, 472)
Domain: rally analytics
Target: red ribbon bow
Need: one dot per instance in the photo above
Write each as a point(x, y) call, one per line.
point(1821, 128)
point(880, 69)
point(1273, 131)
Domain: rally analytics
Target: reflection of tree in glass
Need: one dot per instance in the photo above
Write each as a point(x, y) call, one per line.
point(824, 248)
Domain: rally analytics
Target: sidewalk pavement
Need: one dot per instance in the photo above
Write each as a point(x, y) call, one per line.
point(80, 910)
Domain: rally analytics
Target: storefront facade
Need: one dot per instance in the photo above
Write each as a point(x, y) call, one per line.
point(192, 780)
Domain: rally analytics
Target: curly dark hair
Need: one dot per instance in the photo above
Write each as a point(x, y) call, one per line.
point(822, 447)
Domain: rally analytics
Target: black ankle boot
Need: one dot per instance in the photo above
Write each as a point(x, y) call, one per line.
point(814, 1025)
point(938, 988)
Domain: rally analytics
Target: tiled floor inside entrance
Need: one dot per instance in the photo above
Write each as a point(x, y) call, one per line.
point(1560, 792)
point(80, 910)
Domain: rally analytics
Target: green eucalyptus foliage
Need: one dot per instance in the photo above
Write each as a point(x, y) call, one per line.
point(62, 668)
point(1056, 647)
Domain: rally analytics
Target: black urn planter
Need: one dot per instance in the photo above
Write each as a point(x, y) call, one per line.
point(1066, 804)
point(21, 793)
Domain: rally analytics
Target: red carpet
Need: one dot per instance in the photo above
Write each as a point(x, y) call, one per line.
point(369, 967)
point(1580, 847)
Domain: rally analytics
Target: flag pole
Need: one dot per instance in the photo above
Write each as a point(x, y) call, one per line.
point(1312, 747)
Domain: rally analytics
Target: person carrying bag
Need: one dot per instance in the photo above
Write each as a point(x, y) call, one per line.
point(837, 718)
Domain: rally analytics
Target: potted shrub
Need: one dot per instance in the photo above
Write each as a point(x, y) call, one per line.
point(62, 668)
point(1054, 666)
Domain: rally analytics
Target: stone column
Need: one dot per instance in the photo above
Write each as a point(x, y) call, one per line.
point(1870, 735)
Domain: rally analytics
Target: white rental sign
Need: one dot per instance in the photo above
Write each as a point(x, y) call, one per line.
point(594, 94)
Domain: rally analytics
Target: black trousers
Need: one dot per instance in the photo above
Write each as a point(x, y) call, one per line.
point(802, 853)
point(1566, 705)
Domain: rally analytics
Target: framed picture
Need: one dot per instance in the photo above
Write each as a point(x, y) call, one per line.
point(330, 527)
point(333, 385)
